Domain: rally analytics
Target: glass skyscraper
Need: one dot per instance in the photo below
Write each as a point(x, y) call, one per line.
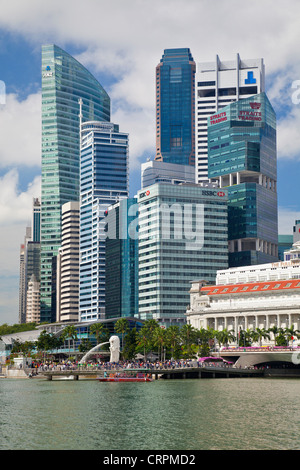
point(121, 257)
point(242, 156)
point(103, 182)
point(175, 107)
point(182, 237)
point(64, 81)
point(219, 83)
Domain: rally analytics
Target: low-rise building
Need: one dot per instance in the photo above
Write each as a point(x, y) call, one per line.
point(245, 306)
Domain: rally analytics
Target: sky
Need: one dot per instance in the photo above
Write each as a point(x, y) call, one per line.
point(121, 42)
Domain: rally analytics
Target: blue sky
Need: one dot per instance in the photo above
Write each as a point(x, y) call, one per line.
point(121, 43)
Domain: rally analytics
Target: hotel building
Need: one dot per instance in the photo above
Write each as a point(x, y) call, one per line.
point(219, 83)
point(249, 297)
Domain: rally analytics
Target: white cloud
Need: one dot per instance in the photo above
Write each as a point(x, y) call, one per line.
point(16, 206)
point(15, 215)
point(288, 135)
point(286, 220)
point(20, 131)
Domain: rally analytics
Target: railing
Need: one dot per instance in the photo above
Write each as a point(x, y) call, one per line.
point(260, 348)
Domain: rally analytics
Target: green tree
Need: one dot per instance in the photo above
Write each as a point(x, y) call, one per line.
point(70, 333)
point(276, 331)
point(97, 329)
point(173, 339)
point(130, 344)
point(262, 333)
point(160, 340)
point(47, 342)
point(85, 345)
point(188, 336)
point(245, 337)
point(121, 327)
point(225, 337)
point(291, 333)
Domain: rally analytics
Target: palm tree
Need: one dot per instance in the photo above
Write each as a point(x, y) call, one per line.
point(122, 327)
point(276, 331)
point(290, 333)
point(262, 333)
point(69, 333)
point(188, 336)
point(245, 337)
point(172, 334)
point(159, 338)
point(97, 330)
point(143, 339)
point(225, 336)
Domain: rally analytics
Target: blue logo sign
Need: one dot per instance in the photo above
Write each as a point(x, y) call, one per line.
point(48, 67)
point(250, 79)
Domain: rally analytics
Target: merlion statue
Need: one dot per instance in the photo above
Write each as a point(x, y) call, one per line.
point(114, 348)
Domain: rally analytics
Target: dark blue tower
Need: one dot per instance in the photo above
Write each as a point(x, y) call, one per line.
point(175, 107)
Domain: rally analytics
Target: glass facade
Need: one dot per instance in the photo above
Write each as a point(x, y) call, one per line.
point(242, 155)
point(103, 182)
point(182, 237)
point(121, 256)
point(175, 107)
point(219, 83)
point(64, 81)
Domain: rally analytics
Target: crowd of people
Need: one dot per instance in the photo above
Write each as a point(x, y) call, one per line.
point(39, 367)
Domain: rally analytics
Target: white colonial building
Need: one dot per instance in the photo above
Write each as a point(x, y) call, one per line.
point(249, 297)
point(243, 306)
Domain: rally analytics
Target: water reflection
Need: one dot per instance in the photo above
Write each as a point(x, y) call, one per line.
point(162, 415)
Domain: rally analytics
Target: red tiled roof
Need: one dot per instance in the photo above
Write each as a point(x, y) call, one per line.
point(251, 287)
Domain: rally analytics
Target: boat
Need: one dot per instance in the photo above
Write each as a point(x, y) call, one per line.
point(117, 377)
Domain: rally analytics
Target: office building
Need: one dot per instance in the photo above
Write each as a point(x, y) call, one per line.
point(33, 304)
point(175, 107)
point(30, 257)
point(36, 220)
point(285, 242)
point(103, 182)
point(242, 156)
point(219, 83)
point(23, 276)
point(67, 273)
point(182, 236)
point(64, 82)
point(296, 231)
point(121, 260)
point(155, 171)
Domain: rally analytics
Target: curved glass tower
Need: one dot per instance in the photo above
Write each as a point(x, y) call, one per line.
point(64, 81)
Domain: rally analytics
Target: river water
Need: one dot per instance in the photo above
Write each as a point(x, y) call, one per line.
point(192, 414)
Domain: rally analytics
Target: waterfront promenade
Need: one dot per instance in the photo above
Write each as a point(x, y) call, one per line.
point(237, 362)
point(166, 370)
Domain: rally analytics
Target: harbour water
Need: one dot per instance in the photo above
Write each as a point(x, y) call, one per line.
point(192, 414)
